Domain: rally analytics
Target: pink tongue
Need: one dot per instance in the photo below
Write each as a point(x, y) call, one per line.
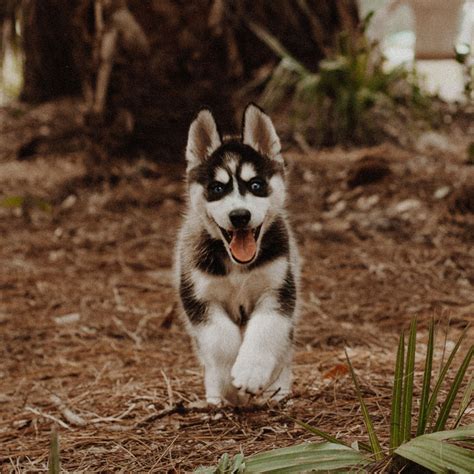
point(243, 246)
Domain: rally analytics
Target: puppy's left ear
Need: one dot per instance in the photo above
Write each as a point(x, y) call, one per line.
point(259, 133)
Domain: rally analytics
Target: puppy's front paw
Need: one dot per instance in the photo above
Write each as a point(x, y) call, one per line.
point(215, 401)
point(252, 374)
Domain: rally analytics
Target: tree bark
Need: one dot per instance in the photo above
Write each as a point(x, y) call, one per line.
point(49, 69)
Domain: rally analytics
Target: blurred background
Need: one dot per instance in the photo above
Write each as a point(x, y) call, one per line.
point(374, 103)
point(142, 69)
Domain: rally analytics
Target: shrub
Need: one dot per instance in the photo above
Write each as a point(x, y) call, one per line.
point(351, 96)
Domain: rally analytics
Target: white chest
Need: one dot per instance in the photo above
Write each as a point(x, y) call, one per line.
point(240, 290)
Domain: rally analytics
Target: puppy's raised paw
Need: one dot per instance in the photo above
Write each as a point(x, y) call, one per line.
point(252, 376)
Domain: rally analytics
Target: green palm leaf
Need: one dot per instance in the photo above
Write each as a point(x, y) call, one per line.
point(466, 400)
point(318, 432)
point(425, 394)
point(448, 403)
point(407, 399)
point(374, 441)
point(433, 452)
point(442, 375)
point(397, 395)
point(304, 457)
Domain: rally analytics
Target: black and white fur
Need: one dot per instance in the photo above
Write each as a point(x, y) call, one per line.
point(240, 315)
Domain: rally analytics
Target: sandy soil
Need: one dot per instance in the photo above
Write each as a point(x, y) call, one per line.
point(91, 341)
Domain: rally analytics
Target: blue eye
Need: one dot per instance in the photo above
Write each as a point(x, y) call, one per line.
point(256, 185)
point(216, 187)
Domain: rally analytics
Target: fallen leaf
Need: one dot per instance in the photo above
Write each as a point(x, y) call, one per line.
point(336, 372)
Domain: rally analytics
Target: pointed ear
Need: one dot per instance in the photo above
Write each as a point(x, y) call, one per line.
point(259, 133)
point(203, 138)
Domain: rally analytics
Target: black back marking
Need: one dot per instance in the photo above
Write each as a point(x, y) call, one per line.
point(211, 255)
point(195, 310)
point(287, 294)
point(275, 243)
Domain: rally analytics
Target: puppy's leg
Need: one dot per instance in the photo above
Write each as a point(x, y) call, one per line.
point(264, 351)
point(218, 341)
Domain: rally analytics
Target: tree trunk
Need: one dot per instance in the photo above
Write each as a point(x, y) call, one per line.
point(196, 53)
point(49, 69)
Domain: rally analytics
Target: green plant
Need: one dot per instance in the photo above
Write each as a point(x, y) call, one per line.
point(337, 103)
point(54, 465)
point(431, 447)
point(25, 203)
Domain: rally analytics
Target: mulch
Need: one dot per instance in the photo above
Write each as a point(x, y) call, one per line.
point(91, 339)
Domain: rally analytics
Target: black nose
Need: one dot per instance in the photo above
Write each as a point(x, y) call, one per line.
point(239, 218)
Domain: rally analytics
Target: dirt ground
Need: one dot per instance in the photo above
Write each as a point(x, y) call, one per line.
point(90, 337)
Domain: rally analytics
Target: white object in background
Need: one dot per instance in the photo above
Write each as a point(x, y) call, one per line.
point(436, 27)
point(444, 78)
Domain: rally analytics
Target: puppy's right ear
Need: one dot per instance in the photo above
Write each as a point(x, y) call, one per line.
point(203, 138)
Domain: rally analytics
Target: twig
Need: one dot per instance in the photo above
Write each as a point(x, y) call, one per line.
point(50, 417)
point(162, 455)
point(185, 410)
point(70, 416)
point(178, 408)
point(130, 334)
point(100, 419)
point(169, 389)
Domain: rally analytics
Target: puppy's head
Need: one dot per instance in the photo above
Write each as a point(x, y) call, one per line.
point(236, 186)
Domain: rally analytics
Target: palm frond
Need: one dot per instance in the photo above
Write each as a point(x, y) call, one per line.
point(425, 394)
point(374, 441)
point(407, 398)
point(448, 403)
point(396, 409)
point(306, 457)
point(433, 452)
point(442, 376)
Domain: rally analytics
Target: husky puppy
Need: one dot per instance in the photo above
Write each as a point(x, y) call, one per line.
point(237, 262)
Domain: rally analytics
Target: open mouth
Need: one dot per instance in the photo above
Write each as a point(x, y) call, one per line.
point(242, 243)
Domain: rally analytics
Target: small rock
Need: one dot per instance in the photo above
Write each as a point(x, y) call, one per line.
point(365, 203)
point(199, 404)
point(67, 319)
point(334, 197)
point(442, 192)
point(433, 141)
point(69, 202)
point(407, 205)
point(20, 423)
point(316, 227)
point(336, 210)
point(308, 176)
point(56, 255)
